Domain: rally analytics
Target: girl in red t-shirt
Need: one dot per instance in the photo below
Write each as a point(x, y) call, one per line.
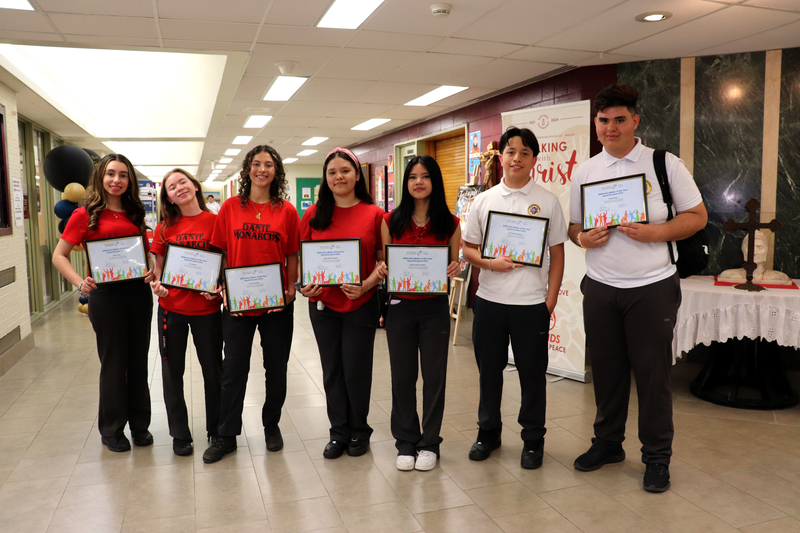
point(186, 221)
point(418, 326)
point(120, 311)
point(256, 227)
point(345, 318)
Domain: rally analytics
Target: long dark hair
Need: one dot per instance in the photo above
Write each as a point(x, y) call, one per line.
point(442, 223)
point(325, 203)
point(277, 189)
point(95, 200)
point(171, 213)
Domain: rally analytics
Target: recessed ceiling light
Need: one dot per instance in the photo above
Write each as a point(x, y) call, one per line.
point(232, 151)
point(257, 121)
point(654, 16)
point(313, 141)
point(371, 123)
point(306, 152)
point(24, 5)
point(348, 14)
point(283, 88)
point(242, 139)
point(437, 94)
point(289, 160)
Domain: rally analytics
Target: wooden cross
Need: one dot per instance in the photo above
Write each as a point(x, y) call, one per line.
point(751, 226)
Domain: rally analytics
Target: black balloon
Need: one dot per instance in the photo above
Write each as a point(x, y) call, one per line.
point(67, 164)
point(83, 299)
point(62, 226)
point(64, 208)
point(93, 155)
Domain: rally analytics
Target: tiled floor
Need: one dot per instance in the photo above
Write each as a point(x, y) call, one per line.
point(732, 470)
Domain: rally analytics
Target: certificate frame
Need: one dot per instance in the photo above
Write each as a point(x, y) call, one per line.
point(175, 253)
point(639, 211)
point(529, 255)
point(104, 276)
point(232, 302)
point(311, 278)
point(393, 264)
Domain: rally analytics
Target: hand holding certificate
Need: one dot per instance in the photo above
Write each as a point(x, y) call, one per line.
point(116, 259)
point(521, 238)
point(254, 288)
point(613, 202)
point(330, 263)
point(417, 269)
point(191, 268)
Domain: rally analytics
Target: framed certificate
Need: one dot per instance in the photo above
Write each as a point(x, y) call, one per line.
point(191, 268)
point(521, 238)
point(417, 269)
point(254, 288)
point(116, 259)
point(330, 263)
point(612, 202)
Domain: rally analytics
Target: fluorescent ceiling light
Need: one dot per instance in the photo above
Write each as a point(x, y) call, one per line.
point(226, 160)
point(283, 88)
point(289, 160)
point(313, 141)
point(348, 14)
point(161, 170)
point(371, 123)
point(16, 4)
point(306, 152)
point(437, 94)
point(257, 121)
point(242, 139)
point(232, 151)
point(220, 167)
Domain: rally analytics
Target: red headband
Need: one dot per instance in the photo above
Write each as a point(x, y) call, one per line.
point(346, 151)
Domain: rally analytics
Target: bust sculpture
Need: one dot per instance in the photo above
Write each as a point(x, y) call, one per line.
point(738, 275)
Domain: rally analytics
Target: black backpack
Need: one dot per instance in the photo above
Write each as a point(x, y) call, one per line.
point(692, 251)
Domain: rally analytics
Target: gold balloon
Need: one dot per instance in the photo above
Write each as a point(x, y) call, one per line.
point(83, 308)
point(78, 248)
point(74, 192)
point(63, 196)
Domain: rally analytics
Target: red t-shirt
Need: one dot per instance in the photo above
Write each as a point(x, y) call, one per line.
point(194, 232)
point(248, 240)
point(110, 224)
point(361, 221)
point(419, 236)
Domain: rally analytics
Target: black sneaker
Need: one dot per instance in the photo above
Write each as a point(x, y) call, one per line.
point(219, 447)
point(274, 438)
point(598, 456)
point(182, 446)
point(532, 454)
point(118, 443)
point(656, 478)
point(482, 449)
point(142, 437)
point(334, 449)
point(357, 447)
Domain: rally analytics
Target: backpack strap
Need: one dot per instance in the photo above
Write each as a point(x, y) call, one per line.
point(660, 165)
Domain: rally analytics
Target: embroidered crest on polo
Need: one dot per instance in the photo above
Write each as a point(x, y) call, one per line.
point(534, 210)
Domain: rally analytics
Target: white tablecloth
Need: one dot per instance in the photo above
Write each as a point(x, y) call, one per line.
point(713, 313)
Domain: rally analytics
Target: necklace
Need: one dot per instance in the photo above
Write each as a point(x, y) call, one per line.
point(418, 223)
point(258, 213)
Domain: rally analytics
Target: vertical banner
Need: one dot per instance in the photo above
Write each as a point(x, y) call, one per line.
point(390, 183)
point(563, 132)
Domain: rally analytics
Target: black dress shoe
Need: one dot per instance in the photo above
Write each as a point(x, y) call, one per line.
point(334, 449)
point(482, 449)
point(274, 438)
point(532, 454)
point(182, 446)
point(357, 447)
point(219, 447)
point(142, 437)
point(599, 455)
point(118, 443)
point(656, 478)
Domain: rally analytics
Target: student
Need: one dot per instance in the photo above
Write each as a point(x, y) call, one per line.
point(514, 300)
point(121, 311)
point(212, 204)
point(345, 318)
point(256, 227)
point(186, 221)
point(418, 326)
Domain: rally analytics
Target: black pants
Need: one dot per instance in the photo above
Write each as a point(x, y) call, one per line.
point(418, 333)
point(346, 342)
point(631, 329)
point(528, 327)
point(173, 335)
point(276, 343)
point(121, 313)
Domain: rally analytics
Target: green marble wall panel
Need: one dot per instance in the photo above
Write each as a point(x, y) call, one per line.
point(787, 240)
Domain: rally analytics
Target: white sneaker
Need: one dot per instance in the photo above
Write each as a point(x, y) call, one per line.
point(426, 460)
point(405, 462)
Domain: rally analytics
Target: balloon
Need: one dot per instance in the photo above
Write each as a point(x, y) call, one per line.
point(62, 225)
point(83, 299)
point(64, 209)
point(66, 164)
point(77, 248)
point(73, 192)
point(93, 155)
point(63, 196)
point(83, 308)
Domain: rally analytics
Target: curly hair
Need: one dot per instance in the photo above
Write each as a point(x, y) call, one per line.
point(277, 189)
point(95, 200)
point(170, 213)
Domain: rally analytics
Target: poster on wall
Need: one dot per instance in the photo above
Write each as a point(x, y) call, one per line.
point(390, 183)
point(466, 196)
point(379, 187)
point(147, 194)
point(563, 132)
point(475, 145)
point(16, 192)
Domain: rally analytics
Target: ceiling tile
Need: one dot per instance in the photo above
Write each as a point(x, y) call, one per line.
point(211, 46)
point(608, 59)
point(280, 122)
point(437, 69)
point(29, 37)
point(500, 73)
point(383, 92)
point(329, 90)
point(407, 112)
point(789, 5)
point(123, 8)
point(290, 13)
point(385, 40)
point(251, 11)
point(17, 20)
point(454, 45)
point(104, 25)
point(416, 14)
point(111, 41)
point(550, 55)
point(211, 31)
point(358, 111)
point(309, 59)
point(362, 64)
point(254, 88)
point(273, 34)
point(787, 36)
point(296, 108)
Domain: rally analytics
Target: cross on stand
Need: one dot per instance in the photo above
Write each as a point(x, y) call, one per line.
point(751, 226)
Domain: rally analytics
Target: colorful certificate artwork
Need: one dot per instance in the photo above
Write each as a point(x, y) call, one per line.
point(417, 269)
point(330, 262)
point(521, 238)
point(191, 269)
point(254, 288)
point(614, 202)
point(116, 259)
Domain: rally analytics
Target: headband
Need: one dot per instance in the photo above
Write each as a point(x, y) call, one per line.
point(345, 151)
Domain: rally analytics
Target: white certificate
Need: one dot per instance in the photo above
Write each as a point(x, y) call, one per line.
point(330, 262)
point(191, 268)
point(612, 202)
point(417, 269)
point(521, 238)
point(254, 288)
point(116, 259)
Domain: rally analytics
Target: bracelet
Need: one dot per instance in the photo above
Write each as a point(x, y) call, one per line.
point(80, 286)
point(490, 265)
point(578, 239)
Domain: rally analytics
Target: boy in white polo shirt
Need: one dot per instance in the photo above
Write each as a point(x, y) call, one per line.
point(514, 301)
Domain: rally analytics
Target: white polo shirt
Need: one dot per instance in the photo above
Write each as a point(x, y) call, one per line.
point(520, 286)
point(623, 262)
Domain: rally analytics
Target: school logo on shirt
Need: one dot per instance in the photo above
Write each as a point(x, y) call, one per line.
point(649, 187)
point(257, 232)
point(194, 240)
point(534, 210)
